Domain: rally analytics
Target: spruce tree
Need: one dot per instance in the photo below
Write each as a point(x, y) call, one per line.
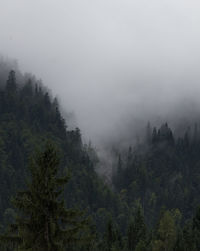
point(136, 232)
point(11, 85)
point(111, 236)
point(166, 233)
point(196, 229)
point(43, 222)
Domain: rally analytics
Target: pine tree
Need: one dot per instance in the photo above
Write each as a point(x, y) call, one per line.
point(43, 222)
point(148, 133)
point(111, 236)
point(130, 235)
point(166, 233)
point(154, 136)
point(136, 230)
point(11, 85)
point(196, 229)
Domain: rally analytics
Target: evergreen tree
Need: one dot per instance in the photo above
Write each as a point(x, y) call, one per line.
point(11, 85)
point(136, 230)
point(196, 230)
point(166, 233)
point(154, 136)
point(148, 133)
point(112, 238)
point(43, 223)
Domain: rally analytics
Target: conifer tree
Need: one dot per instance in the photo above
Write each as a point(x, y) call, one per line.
point(196, 229)
point(166, 233)
point(11, 85)
point(154, 136)
point(43, 223)
point(111, 237)
point(136, 230)
point(148, 133)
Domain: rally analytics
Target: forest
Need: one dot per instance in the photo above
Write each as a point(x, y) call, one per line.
point(52, 197)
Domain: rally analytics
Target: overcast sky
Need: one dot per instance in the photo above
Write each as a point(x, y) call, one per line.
point(107, 59)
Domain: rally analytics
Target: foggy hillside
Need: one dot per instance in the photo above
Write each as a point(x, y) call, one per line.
point(110, 62)
point(100, 125)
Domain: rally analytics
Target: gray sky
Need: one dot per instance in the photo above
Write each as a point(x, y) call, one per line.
point(107, 59)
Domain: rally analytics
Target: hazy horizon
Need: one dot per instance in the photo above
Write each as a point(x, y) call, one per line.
point(111, 63)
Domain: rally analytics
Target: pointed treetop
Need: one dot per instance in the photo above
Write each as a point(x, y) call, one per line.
point(11, 85)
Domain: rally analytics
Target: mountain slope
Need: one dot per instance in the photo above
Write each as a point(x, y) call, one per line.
point(28, 117)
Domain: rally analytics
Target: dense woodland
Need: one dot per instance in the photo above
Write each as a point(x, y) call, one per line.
point(152, 203)
point(163, 171)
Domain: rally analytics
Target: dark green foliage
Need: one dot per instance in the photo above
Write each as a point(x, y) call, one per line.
point(28, 116)
point(43, 223)
point(162, 171)
point(112, 239)
point(136, 232)
point(196, 230)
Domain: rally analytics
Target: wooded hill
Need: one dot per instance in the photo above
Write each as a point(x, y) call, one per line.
point(28, 117)
point(156, 183)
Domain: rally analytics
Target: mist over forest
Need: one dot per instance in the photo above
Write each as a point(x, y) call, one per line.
point(100, 125)
point(109, 62)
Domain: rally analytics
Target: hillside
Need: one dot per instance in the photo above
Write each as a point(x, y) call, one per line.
point(151, 205)
point(29, 117)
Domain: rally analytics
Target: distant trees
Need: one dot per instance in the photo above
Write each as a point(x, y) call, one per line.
point(11, 85)
point(163, 170)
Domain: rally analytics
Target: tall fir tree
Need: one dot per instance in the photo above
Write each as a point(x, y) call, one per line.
point(11, 85)
point(136, 232)
point(43, 222)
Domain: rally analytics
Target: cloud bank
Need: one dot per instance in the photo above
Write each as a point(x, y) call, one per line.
point(109, 61)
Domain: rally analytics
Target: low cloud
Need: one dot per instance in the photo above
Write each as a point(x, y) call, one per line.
point(113, 63)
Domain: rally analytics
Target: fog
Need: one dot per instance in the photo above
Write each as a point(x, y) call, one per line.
point(113, 63)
